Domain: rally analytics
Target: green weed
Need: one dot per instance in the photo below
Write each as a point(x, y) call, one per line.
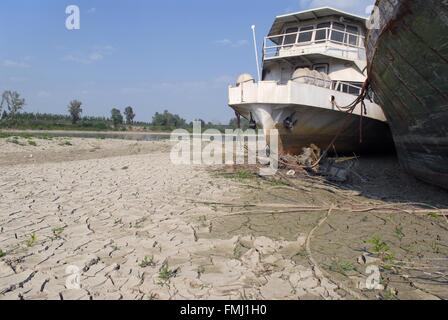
point(31, 241)
point(147, 262)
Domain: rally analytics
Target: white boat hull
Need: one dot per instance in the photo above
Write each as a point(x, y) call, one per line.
point(320, 126)
point(317, 120)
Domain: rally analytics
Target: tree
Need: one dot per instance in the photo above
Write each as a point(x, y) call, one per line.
point(203, 124)
point(169, 120)
point(75, 110)
point(244, 123)
point(117, 117)
point(12, 101)
point(130, 115)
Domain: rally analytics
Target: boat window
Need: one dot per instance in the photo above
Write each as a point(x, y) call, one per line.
point(349, 87)
point(321, 67)
point(355, 88)
point(353, 35)
point(291, 38)
point(306, 34)
point(337, 34)
point(322, 31)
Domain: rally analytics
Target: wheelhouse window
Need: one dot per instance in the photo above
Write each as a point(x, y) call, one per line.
point(306, 34)
point(322, 31)
point(337, 33)
point(334, 31)
point(291, 36)
point(321, 67)
point(355, 88)
point(352, 35)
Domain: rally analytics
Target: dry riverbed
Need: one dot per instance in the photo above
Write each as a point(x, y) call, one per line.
point(133, 226)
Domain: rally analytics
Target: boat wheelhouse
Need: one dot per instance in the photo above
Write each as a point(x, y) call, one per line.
point(314, 62)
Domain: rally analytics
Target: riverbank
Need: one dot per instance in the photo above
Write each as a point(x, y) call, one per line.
point(133, 226)
point(124, 135)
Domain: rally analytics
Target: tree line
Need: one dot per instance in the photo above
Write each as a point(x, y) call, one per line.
point(12, 117)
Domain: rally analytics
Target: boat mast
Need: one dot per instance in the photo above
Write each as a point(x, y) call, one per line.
point(256, 52)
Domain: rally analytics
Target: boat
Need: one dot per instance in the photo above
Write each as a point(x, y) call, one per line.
point(408, 71)
point(314, 65)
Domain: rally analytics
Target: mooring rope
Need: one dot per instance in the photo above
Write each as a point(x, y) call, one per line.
point(349, 109)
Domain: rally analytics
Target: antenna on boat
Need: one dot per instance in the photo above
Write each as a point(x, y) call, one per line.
point(256, 52)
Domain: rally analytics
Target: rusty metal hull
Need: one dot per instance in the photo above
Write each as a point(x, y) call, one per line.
point(408, 70)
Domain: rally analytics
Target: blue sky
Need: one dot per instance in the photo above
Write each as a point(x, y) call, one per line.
point(178, 55)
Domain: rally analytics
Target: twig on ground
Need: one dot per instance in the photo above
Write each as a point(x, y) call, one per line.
point(321, 274)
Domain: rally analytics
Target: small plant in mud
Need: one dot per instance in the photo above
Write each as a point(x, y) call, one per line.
point(435, 247)
point(243, 175)
point(32, 143)
point(381, 249)
point(343, 267)
point(46, 137)
point(201, 271)
point(57, 232)
point(239, 175)
point(2, 253)
point(14, 140)
point(389, 294)
point(166, 274)
point(238, 251)
point(66, 143)
point(147, 262)
point(434, 215)
point(31, 241)
point(399, 233)
point(278, 182)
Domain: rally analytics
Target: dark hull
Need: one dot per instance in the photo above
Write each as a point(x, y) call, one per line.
point(408, 70)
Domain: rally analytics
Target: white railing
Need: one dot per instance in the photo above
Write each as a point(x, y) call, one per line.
point(352, 43)
point(339, 86)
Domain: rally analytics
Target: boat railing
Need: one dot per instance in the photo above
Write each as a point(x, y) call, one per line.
point(335, 85)
point(346, 43)
point(320, 82)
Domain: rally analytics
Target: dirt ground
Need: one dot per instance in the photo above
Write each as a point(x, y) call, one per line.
point(136, 227)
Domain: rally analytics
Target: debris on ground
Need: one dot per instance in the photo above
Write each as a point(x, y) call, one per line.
point(312, 161)
point(337, 169)
point(310, 156)
point(308, 160)
point(291, 173)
